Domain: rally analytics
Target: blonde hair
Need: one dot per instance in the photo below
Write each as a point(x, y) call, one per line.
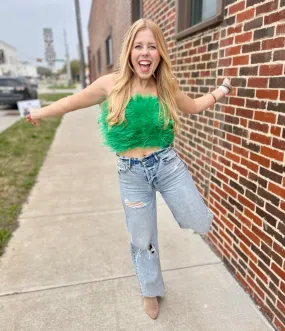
point(166, 84)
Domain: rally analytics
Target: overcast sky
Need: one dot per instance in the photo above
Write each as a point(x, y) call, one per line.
point(22, 23)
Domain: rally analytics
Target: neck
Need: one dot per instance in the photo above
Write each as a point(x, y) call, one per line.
point(143, 83)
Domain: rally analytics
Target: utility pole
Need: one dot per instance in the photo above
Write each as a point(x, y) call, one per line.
point(82, 64)
point(68, 69)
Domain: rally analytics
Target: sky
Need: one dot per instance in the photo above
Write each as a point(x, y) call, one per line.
point(22, 23)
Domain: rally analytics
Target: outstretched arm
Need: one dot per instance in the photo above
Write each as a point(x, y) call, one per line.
point(194, 106)
point(91, 95)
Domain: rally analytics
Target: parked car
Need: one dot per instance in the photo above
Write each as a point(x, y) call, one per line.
point(13, 89)
point(33, 81)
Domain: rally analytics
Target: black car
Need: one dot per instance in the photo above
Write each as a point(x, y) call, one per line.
point(13, 89)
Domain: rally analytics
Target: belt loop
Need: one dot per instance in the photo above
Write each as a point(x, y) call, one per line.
point(156, 157)
point(129, 163)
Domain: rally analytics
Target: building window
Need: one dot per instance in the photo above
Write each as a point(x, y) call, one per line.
point(2, 56)
point(109, 52)
point(137, 9)
point(99, 65)
point(196, 15)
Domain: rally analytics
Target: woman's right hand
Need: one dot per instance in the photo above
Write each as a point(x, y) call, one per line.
point(32, 118)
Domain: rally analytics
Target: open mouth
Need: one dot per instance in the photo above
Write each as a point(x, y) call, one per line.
point(145, 66)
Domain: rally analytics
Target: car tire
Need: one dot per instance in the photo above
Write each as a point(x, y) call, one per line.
point(27, 95)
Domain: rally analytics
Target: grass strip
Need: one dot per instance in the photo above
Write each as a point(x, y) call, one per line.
point(53, 97)
point(22, 151)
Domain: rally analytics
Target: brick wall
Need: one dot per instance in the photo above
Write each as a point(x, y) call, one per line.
point(107, 16)
point(235, 151)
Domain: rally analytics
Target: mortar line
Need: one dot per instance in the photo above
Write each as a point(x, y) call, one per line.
point(2, 295)
point(104, 211)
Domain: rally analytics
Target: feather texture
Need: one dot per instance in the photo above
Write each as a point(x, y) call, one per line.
point(142, 127)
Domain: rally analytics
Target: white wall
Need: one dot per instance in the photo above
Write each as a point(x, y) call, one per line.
point(10, 65)
point(27, 69)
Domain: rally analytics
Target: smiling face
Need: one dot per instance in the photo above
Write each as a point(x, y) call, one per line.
point(144, 54)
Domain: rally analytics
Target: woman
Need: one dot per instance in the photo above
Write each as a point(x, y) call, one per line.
point(139, 120)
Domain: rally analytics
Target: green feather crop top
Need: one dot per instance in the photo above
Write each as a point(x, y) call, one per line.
point(142, 128)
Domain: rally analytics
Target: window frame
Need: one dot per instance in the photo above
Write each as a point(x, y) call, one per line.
point(109, 51)
point(183, 13)
point(3, 57)
point(99, 61)
point(135, 8)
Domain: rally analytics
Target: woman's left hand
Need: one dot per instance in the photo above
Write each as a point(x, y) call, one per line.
point(227, 83)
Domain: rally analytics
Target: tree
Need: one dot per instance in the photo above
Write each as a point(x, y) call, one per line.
point(43, 71)
point(75, 70)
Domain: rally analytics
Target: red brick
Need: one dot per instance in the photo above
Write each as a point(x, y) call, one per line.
point(271, 70)
point(260, 159)
point(237, 101)
point(273, 43)
point(277, 190)
point(241, 60)
point(241, 170)
point(280, 29)
point(257, 271)
point(246, 202)
point(248, 113)
point(226, 42)
point(233, 51)
point(234, 139)
point(232, 157)
point(278, 271)
point(275, 130)
point(234, 29)
point(250, 165)
point(225, 62)
point(272, 153)
point(279, 16)
point(260, 138)
point(246, 15)
point(282, 95)
point(231, 72)
point(265, 117)
point(243, 38)
point(230, 191)
point(258, 82)
point(279, 144)
point(253, 217)
point(266, 8)
point(236, 8)
point(231, 173)
point(267, 94)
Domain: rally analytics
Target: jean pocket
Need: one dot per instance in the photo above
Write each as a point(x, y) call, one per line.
point(169, 157)
point(122, 167)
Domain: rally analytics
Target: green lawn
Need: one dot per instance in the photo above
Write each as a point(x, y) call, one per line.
point(53, 97)
point(23, 148)
point(58, 87)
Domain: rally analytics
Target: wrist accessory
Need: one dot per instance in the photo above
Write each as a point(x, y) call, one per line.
point(225, 89)
point(213, 96)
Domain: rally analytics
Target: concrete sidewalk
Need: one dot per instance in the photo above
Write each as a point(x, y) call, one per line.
point(68, 266)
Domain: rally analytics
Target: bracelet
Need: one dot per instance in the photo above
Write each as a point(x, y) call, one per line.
point(224, 88)
point(213, 96)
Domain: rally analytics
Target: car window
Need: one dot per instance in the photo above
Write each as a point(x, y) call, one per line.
point(9, 82)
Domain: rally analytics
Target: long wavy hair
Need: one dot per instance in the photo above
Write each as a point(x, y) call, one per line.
point(166, 84)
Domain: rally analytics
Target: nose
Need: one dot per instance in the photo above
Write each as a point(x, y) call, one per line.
point(145, 50)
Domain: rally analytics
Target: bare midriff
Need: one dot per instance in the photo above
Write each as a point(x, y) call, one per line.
point(139, 152)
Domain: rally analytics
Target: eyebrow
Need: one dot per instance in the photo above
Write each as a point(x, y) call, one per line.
point(139, 42)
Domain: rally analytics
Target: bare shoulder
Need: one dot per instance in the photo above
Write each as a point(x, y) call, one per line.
point(107, 82)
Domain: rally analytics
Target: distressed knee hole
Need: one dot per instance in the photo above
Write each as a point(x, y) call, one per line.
point(151, 248)
point(135, 204)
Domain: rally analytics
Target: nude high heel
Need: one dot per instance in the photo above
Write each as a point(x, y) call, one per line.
point(151, 307)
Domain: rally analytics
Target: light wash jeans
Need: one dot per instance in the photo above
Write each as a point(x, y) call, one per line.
point(163, 171)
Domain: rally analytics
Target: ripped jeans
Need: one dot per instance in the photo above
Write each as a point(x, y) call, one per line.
point(139, 178)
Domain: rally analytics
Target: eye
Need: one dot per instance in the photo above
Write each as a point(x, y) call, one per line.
point(138, 46)
point(152, 47)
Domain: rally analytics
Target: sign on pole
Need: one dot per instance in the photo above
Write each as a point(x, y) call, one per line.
point(50, 55)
